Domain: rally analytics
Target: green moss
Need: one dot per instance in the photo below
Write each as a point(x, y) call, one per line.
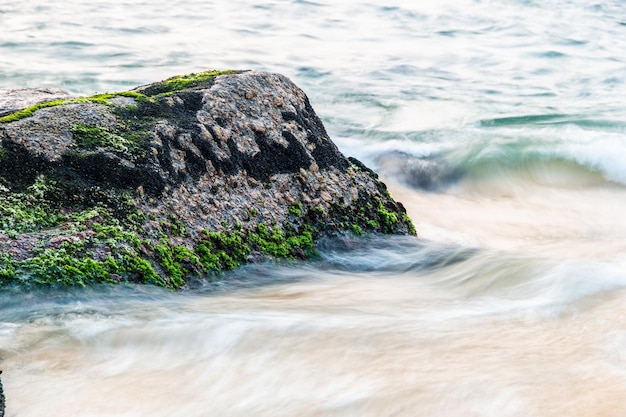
point(359, 217)
point(115, 234)
point(275, 242)
point(222, 250)
point(136, 218)
point(7, 268)
point(213, 260)
point(90, 137)
point(183, 82)
point(102, 98)
point(251, 213)
point(388, 219)
point(296, 209)
point(103, 248)
point(71, 266)
point(27, 112)
point(319, 211)
point(406, 219)
point(177, 228)
point(143, 270)
point(97, 248)
point(170, 85)
point(74, 264)
point(373, 224)
point(30, 210)
point(60, 267)
point(226, 250)
point(170, 260)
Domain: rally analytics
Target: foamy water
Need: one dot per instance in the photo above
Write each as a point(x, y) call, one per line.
point(499, 124)
point(434, 340)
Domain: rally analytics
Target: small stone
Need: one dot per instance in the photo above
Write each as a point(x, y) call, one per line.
point(325, 196)
point(257, 126)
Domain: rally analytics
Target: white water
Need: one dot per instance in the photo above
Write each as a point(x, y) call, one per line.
point(332, 343)
point(499, 124)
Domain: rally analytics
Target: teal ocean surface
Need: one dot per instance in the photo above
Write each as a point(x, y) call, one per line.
point(501, 126)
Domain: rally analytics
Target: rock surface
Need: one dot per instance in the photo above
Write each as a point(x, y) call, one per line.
point(175, 180)
point(1, 399)
point(20, 98)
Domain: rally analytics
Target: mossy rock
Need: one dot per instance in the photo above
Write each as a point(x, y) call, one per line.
point(174, 181)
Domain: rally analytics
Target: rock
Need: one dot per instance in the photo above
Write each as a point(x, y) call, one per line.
point(174, 180)
point(2, 399)
point(12, 100)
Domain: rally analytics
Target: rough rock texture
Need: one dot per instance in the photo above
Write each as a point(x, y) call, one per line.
point(174, 180)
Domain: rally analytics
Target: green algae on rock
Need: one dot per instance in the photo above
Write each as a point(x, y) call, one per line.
point(176, 180)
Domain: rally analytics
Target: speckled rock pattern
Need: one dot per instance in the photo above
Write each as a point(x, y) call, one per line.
point(239, 149)
point(256, 146)
point(19, 98)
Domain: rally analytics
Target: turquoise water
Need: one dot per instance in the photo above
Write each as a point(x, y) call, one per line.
point(500, 125)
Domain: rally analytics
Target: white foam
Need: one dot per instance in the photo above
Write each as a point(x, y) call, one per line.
point(605, 152)
point(560, 288)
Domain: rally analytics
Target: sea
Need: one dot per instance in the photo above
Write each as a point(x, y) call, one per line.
point(501, 126)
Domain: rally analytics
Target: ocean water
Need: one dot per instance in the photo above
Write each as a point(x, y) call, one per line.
point(501, 125)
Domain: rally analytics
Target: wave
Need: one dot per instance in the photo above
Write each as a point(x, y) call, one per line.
point(554, 120)
point(491, 282)
point(497, 171)
point(509, 151)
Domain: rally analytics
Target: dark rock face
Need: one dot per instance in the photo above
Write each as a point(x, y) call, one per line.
point(1, 399)
point(208, 152)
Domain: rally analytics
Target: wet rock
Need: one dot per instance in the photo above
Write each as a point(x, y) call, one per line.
point(421, 173)
point(184, 171)
point(2, 399)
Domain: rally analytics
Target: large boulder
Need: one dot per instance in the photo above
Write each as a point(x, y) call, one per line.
point(174, 180)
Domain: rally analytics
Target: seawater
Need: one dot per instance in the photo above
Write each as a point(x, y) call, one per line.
point(501, 127)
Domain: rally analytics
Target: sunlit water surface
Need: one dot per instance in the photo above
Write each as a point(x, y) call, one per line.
point(500, 125)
